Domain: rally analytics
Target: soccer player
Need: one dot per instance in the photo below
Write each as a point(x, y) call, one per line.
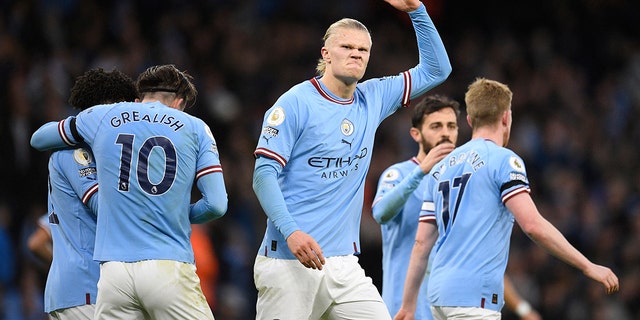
point(475, 193)
point(71, 287)
point(312, 158)
point(396, 206)
point(148, 156)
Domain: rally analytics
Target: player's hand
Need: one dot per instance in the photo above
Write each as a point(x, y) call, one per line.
point(605, 276)
point(403, 315)
point(404, 5)
point(436, 154)
point(306, 249)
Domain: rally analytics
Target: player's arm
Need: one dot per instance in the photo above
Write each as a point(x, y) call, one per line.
point(434, 66)
point(543, 233)
point(86, 186)
point(56, 134)
point(209, 179)
point(517, 304)
point(214, 201)
point(267, 190)
point(426, 236)
point(40, 243)
point(389, 201)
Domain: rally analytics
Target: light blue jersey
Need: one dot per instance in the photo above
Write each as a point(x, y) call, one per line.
point(148, 157)
point(320, 147)
point(73, 186)
point(397, 207)
point(467, 191)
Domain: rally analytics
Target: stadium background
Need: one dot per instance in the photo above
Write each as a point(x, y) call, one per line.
point(574, 67)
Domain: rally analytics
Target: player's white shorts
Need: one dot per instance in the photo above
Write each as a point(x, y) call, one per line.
point(150, 289)
point(287, 290)
point(83, 312)
point(466, 313)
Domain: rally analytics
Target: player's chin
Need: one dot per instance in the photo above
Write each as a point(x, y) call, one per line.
point(351, 78)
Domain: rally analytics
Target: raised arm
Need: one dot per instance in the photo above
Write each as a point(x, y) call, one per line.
point(404, 5)
point(434, 66)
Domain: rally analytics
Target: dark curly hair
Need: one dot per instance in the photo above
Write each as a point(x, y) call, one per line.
point(167, 78)
point(97, 86)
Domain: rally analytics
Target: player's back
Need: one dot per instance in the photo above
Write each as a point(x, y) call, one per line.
point(474, 225)
point(147, 155)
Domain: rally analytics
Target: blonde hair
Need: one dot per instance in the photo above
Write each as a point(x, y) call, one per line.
point(486, 101)
point(347, 23)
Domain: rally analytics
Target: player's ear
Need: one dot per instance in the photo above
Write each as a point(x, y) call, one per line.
point(324, 52)
point(415, 134)
point(506, 117)
point(178, 103)
point(469, 121)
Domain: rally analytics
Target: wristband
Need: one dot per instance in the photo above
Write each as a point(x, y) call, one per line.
point(523, 308)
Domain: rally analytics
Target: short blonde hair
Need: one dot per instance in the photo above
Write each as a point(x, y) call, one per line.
point(486, 101)
point(347, 23)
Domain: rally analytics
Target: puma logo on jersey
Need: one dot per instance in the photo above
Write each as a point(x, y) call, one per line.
point(266, 139)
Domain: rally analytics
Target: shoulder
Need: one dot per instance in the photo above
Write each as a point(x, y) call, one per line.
point(293, 103)
point(374, 84)
point(297, 94)
point(506, 153)
point(398, 170)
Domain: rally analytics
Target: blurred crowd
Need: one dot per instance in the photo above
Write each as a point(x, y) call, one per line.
point(574, 68)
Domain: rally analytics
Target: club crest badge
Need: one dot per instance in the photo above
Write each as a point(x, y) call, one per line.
point(346, 127)
point(276, 117)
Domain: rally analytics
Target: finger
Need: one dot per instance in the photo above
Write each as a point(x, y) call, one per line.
point(319, 256)
point(304, 259)
point(315, 259)
point(309, 260)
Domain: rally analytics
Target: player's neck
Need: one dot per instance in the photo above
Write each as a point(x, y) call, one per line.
point(488, 133)
point(338, 87)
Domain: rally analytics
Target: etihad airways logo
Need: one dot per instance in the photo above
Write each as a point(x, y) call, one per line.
point(338, 167)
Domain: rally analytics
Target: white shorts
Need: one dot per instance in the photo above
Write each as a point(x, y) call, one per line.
point(466, 313)
point(83, 312)
point(287, 290)
point(150, 289)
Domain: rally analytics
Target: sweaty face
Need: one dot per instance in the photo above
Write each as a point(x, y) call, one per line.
point(438, 127)
point(347, 54)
